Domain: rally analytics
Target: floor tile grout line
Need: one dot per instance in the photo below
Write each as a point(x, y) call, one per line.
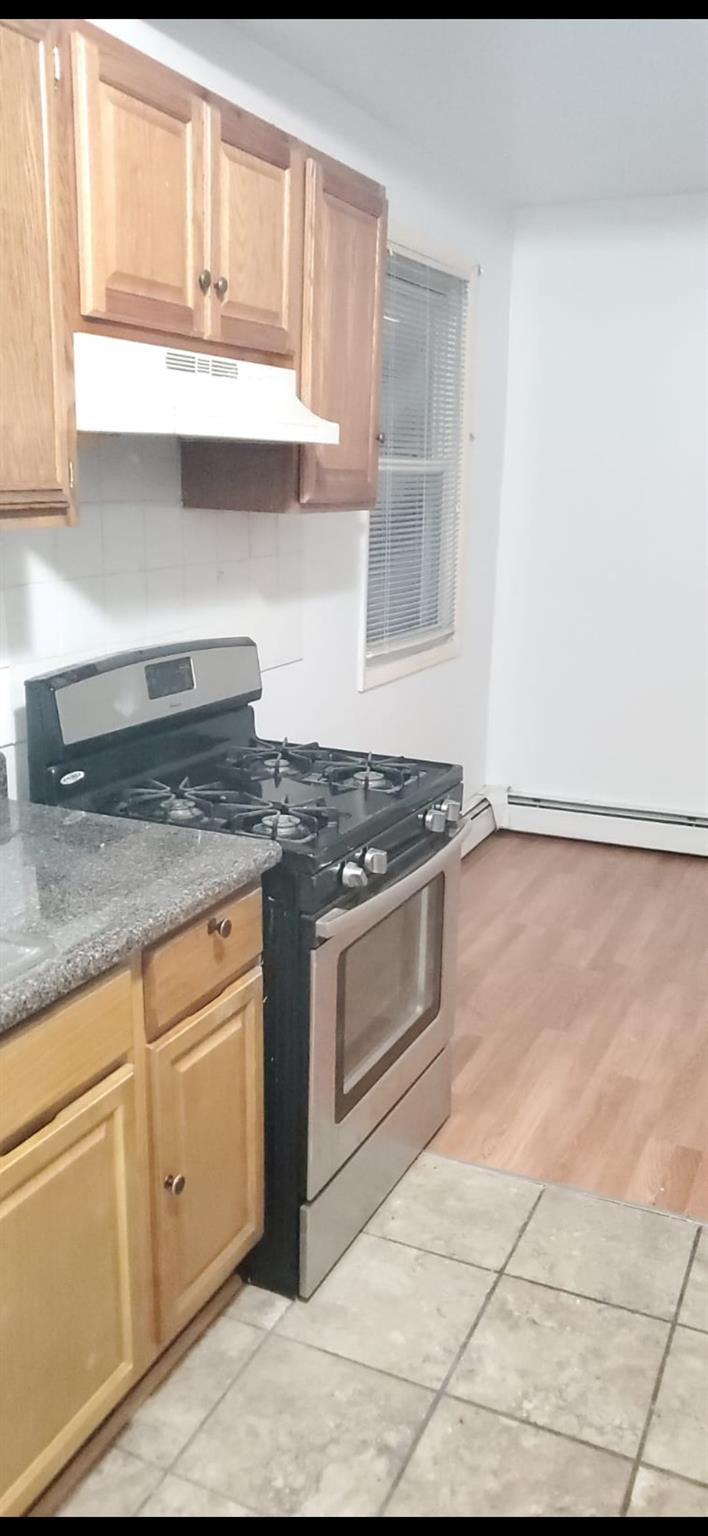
point(440, 1393)
point(545, 1429)
point(511, 1174)
point(510, 1274)
point(203, 1488)
point(659, 1379)
point(681, 1477)
point(217, 1401)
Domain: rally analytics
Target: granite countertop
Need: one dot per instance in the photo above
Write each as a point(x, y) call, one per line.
point(78, 892)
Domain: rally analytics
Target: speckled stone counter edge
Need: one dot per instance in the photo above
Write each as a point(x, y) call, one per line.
point(158, 905)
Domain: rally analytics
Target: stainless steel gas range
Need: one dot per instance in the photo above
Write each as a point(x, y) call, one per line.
point(360, 916)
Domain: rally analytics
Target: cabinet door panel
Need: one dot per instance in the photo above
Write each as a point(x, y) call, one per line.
point(36, 422)
point(140, 172)
point(68, 1202)
point(345, 228)
point(257, 232)
point(206, 1085)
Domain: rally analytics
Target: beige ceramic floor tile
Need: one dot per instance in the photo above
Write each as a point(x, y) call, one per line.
point(613, 1252)
point(118, 1485)
point(694, 1308)
point(176, 1498)
point(678, 1437)
point(392, 1307)
point(456, 1209)
point(304, 1433)
point(576, 1366)
point(471, 1462)
point(262, 1309)
point(658, 1493)
point(164, 1424)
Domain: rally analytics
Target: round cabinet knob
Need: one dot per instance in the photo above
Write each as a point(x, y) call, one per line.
point(452, 811)
point(376, 861)
point(353, 876)
point(174, 1183)
point(220, 925)
point(435, 819)
point(205, 280)
point(221, 287)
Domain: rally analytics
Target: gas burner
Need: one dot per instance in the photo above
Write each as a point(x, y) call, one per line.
point(281, 821)
point(387, 776)
point(184, 804)
point(274, 760)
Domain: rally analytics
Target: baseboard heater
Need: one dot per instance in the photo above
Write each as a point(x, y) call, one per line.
point(479, 821)
point(674, 831)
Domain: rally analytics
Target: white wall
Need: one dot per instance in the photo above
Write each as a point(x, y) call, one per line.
point(600, 677)
point(313, 631)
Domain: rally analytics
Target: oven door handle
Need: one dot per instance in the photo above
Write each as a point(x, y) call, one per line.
point(351, 921)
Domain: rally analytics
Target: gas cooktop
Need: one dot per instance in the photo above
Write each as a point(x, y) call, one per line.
point(307, 797)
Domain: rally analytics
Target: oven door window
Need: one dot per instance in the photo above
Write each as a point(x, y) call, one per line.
point(388, 991)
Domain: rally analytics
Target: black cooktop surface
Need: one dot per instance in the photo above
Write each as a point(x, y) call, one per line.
point(313, 800)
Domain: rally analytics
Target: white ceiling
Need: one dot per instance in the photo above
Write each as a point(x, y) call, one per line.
point(532, 110)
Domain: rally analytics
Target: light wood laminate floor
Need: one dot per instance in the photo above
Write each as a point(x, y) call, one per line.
point(581, 1037)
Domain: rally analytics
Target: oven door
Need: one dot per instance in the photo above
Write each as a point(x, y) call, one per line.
point(382, 997)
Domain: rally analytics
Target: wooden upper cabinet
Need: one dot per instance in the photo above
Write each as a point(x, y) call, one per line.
point(257, 206)
point(139, 135)
point(345, 243)
point(36, 408)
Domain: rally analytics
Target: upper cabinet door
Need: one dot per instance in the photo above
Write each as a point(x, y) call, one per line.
point(36, 408)
point(257, 207)
point(345, 241)
point(140, 175)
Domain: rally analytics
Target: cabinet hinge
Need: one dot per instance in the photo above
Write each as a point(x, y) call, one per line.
point(56, 64)
point(71, 474)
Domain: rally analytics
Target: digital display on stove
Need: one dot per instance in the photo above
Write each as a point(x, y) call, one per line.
point(176, 675)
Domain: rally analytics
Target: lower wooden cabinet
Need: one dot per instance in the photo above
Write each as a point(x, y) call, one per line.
point(69, 1287)
point(206, 1095)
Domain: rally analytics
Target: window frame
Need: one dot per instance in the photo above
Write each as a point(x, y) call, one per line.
point(418, 654)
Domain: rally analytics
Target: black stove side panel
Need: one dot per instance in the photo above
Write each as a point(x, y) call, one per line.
point(275, 1261)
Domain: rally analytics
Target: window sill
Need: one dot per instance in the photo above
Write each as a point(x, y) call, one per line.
point(388, 668)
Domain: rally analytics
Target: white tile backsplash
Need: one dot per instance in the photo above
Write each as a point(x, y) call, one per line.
point(139, 569)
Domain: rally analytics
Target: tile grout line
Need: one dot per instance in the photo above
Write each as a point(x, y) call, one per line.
point(545, 1429)
point(440, 1393)
point(659, 1379)
point(570, 1189)
point(545, 1285)
point(217, 1401)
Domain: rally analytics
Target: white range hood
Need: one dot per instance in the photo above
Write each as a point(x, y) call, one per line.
point(135, 387)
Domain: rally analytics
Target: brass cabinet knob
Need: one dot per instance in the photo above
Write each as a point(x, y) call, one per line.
point(174, 1183)
point(204, 280)
point(221, 287)
point(220, 925)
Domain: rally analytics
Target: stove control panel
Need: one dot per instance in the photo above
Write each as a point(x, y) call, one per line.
point(445, 813)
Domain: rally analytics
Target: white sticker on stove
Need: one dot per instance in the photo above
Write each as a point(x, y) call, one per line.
point(73, 778)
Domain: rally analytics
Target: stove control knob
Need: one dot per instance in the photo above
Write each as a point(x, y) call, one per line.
point(434, 819)
point(376, 861)
point(452, 811)
point(353, 876)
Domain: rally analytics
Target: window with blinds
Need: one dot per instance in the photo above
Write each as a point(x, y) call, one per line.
point(414, 527)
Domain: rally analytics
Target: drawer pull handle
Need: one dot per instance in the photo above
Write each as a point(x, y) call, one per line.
point(220, 925)
point(174, 1183)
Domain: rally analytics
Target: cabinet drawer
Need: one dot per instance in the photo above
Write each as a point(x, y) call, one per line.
point(186, 970)
point(62, 1051)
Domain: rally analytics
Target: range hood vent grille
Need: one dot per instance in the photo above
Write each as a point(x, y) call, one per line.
point(190, 362)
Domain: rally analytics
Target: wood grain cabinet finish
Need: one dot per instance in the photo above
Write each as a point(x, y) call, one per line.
point(256, 211)
point(69, 1291)
point(206, 1094)
point(345, 243)
point(140, 168)
point(37, 449)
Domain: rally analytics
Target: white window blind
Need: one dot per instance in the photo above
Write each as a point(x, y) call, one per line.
point(414, 527)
